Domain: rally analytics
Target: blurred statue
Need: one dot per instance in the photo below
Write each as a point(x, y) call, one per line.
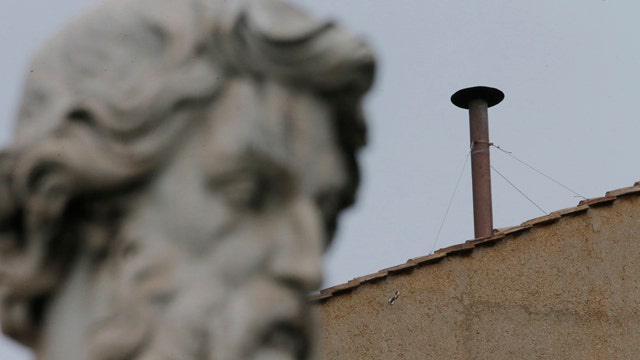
point(176, 174)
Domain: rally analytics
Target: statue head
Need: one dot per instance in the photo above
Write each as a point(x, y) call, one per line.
point(177, 172)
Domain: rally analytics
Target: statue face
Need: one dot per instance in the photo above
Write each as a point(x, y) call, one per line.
point(176, 176)
point(229, 238)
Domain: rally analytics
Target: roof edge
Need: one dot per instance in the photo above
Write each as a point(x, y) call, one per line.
point(469, 246)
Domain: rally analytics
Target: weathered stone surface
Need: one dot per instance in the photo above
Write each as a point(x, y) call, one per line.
point(565, 290)
point(176, 175)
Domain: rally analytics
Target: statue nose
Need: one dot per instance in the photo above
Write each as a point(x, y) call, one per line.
point(300, 239)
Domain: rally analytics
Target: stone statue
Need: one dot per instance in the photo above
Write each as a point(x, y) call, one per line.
point(177, 172)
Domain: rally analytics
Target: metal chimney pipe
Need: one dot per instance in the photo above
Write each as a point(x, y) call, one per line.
point(478, 99)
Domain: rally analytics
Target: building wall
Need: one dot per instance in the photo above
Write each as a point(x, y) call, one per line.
point(567, 290)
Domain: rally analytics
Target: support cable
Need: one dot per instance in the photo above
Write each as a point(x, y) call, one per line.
point(520, 191)
point(509, 153)
point(455, 190)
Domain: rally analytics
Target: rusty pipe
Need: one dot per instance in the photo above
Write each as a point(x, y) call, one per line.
point(478, 100)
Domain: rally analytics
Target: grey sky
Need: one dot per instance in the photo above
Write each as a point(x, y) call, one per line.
point(569, 72)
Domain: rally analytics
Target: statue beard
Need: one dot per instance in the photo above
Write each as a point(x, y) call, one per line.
point(260, 318)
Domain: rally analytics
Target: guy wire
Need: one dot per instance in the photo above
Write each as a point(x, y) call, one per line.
point(455, 190)
point(520, 191)
point(509, 153)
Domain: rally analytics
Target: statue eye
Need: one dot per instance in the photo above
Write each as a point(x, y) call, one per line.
point(242, 191)
point(80, 115)
point(250, 190)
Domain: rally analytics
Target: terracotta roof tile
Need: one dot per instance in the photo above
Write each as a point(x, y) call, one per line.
point(428, 259)
point(543, 220)
point(601, 201)
point(632, 190)
point(319, 297)
point(326, 290)
point(515, 229)
point(572, 211)
point(457, 249)
point(373, 277)
point(340, 289)
point(487, 241)
point(355, 282)
point(469, 246)
point(400, 268)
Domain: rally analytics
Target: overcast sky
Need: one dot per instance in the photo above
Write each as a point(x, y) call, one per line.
point(569, 70)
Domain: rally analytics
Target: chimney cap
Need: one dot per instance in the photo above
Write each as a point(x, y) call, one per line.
point(463, 97)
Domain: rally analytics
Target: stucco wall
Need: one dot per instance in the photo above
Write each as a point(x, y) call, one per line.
point(567, 290)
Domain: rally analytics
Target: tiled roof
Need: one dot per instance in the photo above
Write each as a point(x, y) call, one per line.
point(470, 245)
